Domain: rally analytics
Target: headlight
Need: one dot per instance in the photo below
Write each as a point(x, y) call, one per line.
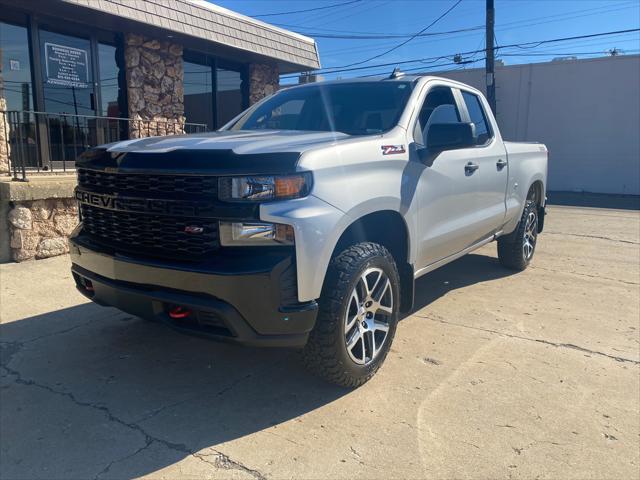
point(255, 233)
point(264, 188)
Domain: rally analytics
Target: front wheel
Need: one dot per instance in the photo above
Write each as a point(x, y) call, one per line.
point(516, 250)
point(357, 318)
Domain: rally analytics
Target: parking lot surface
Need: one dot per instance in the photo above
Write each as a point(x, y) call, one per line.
point(495, 375)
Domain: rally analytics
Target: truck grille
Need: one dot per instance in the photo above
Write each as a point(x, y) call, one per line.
point(139, 183)
point(146, 234)
point(160, 234)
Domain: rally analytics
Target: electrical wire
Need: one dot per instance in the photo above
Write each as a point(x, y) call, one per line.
point(499, 27)
point(346, 68)
point(409, 39)
point(307, 10)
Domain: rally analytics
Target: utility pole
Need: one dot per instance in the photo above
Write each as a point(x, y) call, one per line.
point(490, 57)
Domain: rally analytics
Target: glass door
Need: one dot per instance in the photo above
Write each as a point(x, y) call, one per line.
point(69, 97)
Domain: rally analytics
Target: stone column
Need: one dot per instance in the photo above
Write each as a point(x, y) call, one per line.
point(264, 80)
point(155, 89)
point(4, 127)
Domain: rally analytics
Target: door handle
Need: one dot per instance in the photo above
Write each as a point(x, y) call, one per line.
point(501, 164)
point(471, 167)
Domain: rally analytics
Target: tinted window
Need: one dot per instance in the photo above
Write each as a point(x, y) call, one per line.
point(352, 108)
point(229, 94)
point(198, 93)
point(439, 107)
point(479, 119)
point(109, 84)
point(15, 68)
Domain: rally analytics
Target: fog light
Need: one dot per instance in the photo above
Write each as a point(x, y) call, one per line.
point(255, 233)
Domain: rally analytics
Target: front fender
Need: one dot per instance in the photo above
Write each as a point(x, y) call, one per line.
point(317, 226)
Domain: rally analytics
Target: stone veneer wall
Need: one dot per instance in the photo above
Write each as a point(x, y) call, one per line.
point(40, 228)
point(264, 80)
point(4, 134)
point(155, 88)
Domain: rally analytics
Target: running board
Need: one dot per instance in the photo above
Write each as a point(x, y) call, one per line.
point(455, 256)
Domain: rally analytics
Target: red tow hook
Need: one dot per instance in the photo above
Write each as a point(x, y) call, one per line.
point(179, 312)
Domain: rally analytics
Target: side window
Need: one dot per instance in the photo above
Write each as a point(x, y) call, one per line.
point(478, 117)
point(439, 107)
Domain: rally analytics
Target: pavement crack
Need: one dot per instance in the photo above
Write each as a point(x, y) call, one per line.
point(537, 340)
point(222, 461)
point(599, 237)
point(110, 416)
point(106, 469)
point(59, 332)
point(234, 384)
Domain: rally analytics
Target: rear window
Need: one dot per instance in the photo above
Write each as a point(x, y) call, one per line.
point(478, 117)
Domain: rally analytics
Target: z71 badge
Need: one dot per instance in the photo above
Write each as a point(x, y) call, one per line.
point(392, 149)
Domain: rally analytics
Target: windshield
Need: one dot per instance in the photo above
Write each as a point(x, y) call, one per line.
point(352, 108)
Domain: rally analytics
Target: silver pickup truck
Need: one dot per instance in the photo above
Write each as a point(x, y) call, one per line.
point(305, 221)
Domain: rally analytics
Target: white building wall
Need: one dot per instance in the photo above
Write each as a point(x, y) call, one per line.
point(587, 112)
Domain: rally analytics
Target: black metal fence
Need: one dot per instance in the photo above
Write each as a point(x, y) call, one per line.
point(50, 142)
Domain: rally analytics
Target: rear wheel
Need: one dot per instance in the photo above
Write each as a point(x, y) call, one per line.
point(516, 250)
point(357, 318)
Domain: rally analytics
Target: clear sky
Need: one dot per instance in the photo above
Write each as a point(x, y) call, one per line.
point(517, 21)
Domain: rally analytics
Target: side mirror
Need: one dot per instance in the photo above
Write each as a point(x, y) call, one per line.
point(449, 136)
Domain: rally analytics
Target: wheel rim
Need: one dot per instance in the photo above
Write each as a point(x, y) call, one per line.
point(530, 235)
point(366, 323)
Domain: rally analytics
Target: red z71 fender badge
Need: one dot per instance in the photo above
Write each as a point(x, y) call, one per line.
point(392, 149)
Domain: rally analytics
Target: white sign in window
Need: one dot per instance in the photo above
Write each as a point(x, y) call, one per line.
point(66, 66)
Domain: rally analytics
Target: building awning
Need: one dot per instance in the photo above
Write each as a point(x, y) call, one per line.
point(205, 21)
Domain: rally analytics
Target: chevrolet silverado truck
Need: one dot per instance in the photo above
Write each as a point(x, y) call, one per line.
point(305, 221)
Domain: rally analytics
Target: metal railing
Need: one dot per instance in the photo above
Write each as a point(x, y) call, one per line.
point(50, 142)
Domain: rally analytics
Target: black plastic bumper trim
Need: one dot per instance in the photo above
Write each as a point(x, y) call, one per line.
point(151, 303)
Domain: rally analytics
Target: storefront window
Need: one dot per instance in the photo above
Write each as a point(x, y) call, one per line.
point(198, 94)
point(200, 103)
point(229, 95)
point(109, 87)
point(16, 69)
point(16, 89)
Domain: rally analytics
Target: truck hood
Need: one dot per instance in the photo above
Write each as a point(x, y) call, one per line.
point(216, 153)
point(240, 142)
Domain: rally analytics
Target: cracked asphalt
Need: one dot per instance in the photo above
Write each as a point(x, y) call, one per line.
point(495, 375)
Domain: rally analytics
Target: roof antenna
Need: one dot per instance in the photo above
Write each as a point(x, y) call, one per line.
point(396, 73)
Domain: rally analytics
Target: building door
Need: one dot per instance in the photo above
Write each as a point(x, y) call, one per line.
point(68, 94)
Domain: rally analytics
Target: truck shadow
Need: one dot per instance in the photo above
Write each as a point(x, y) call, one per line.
point(91, 386)
point(468, 270)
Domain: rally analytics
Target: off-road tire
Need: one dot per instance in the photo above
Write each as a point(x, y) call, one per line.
point(325, 354)
point(510, 247)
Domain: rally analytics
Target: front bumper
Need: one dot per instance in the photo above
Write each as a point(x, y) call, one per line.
point(241, 297)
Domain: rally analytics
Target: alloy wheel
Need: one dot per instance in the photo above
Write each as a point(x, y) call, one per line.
point(530, 235)
point(366, 323)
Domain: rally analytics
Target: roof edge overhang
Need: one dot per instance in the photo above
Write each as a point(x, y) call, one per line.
point(194, 23)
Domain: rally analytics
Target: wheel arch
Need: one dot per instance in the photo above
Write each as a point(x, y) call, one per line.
point(537, 189)
point(389, 229)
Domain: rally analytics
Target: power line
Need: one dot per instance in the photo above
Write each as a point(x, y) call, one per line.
point(346, 68)
point(307, 10)
point(409, 39)
point(354, 10)
point(500, 27)
point(389, 36)
point(415, 69)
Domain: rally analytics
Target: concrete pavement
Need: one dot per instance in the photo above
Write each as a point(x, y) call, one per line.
point(495, 375)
